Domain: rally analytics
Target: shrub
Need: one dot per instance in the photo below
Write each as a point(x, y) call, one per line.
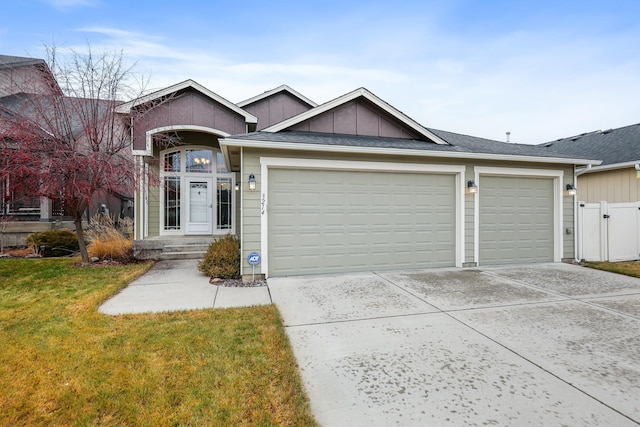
point(222, 258)
point(112, 245)
point(54, 243)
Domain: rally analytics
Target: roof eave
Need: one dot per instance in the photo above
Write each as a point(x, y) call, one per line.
point(231, 142)
point(613, 166)
point(126, 107)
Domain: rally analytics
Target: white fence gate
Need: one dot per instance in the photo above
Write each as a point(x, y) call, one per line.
point(608, 231)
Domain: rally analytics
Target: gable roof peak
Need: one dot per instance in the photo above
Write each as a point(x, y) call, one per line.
point(360, 92)
point(281, 88)
point(126, 107)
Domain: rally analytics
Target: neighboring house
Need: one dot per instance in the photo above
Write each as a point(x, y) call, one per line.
point(26, 75)
point(26, 86)
point(350, 185)
point(615, 180)
point(21, 78)
point(609, 193)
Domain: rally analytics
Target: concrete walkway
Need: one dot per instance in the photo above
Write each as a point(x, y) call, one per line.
point(178, 285)
point(541, 345)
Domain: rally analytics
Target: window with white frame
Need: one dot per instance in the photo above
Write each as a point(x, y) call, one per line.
point(178, 166)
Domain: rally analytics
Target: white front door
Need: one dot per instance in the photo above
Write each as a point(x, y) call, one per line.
point(199, 206)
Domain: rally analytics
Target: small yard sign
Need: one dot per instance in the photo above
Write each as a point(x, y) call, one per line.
point(254, 258)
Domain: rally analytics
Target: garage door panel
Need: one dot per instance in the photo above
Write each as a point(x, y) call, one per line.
point(355, 221)
point(516, 220)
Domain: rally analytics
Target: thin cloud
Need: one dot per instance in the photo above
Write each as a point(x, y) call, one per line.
point(65, 4)
point(531, 83)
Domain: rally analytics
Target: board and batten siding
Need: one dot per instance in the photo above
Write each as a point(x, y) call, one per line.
point(275, 109)
point(613, 186)
point(251, 200)
point(188, 109)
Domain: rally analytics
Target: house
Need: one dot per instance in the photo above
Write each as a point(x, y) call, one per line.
point(350, 185)
point(615, 180)
point(608, 194)
point(31, 97)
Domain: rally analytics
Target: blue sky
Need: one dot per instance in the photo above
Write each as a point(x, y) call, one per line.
point(541, 70)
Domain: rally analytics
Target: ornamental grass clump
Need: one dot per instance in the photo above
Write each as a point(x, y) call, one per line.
point(107, 240)
point(222, 259)
point(111, 245)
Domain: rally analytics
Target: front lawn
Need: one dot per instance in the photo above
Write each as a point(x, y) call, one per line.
point(629, 268)
point(63, 363)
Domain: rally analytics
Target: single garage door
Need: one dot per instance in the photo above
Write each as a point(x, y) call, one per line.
point(516, 220)
point(328, 221)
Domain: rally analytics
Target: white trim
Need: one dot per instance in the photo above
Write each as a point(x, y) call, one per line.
point(575, 219)
point(127, 106)
point(145, 189)
point(557, 176)
point(148, 151)
point(264, 217)
point(136, 200)
point(608, 167)
point(282, 88)
point(361, 92)
point(298, 163)
point(241, 196)
point(230, 142)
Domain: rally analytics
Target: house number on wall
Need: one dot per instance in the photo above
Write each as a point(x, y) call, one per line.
point(263, 203)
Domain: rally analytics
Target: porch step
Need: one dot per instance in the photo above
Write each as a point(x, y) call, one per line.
point(181, 255)
point(166, 248)
point(183, 251)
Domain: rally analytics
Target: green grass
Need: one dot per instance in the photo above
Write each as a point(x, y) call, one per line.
point(629, 268)
point(63, 363)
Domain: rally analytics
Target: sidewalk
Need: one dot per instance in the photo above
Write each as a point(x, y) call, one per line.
point(178, 285)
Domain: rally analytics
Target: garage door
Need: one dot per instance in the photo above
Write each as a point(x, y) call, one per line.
point(516, 220)
point(328, 221)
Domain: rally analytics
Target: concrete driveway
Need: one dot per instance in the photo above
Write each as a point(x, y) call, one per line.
point(550, 344)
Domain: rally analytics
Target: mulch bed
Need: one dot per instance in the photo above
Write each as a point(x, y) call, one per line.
point(237, 283)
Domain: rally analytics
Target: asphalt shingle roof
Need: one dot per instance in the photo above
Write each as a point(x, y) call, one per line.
point(457, 143)
point(8, 61)
point(620, 145)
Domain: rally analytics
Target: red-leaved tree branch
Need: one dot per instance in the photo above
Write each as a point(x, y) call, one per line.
point(72, 146)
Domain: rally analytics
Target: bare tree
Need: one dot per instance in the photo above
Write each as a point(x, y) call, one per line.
point(72, 147)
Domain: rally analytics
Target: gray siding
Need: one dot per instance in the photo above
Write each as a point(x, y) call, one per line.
point(469, 207)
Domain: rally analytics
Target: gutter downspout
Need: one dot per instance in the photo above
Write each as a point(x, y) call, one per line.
point(581, 171)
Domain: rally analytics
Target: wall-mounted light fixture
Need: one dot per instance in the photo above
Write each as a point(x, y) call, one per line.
point(252, 182)
point(472, 188)
point(571, 190)
point(237, 186)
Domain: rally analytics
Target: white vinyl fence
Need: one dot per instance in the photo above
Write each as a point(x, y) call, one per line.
point(608, 231)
